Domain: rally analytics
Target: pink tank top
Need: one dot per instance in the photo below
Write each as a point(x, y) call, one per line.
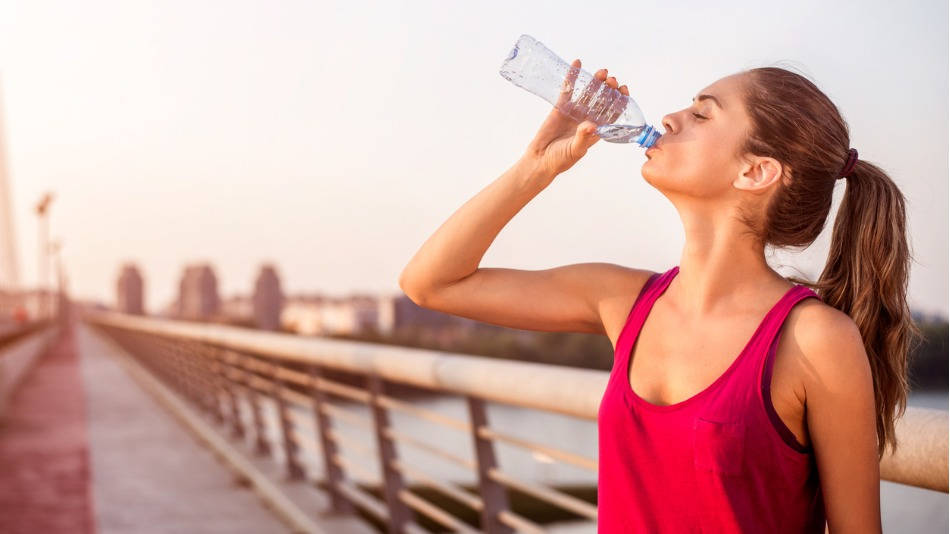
point(719, 461)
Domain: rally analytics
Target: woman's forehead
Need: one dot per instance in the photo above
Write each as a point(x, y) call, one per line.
point(723, 91)
point(718, 88)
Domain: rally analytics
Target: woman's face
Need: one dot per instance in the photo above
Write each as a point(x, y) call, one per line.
point(696, 155)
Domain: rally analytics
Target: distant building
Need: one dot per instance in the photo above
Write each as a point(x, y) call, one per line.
point(302, 315)
point(399, 311)
point(268, 299)
point(130, 291)
point(237, 308)
point(355, 314)
point(328, 316)
point(198, 293)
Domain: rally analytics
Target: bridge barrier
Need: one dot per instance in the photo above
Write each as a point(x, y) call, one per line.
point(20, 347)
point(230, 372)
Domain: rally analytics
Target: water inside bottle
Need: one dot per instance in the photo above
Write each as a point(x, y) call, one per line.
point(619, 133)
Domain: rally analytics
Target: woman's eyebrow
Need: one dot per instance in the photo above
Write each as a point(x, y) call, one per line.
point(711, 97)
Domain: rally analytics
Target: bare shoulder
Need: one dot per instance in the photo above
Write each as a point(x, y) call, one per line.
point(619, 290)
point(825, 344)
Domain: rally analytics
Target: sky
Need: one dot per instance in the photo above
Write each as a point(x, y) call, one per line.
point(332, 138)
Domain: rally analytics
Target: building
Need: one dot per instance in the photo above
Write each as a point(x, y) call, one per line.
point(198, 293)
point(330, 316)
point(268, 299)
point(130, 291)
point(319, 315)
point(237, 309)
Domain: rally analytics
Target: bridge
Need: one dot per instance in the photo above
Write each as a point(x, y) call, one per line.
point(196, 427)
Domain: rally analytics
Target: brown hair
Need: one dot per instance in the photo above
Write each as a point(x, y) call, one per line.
point(867, 270)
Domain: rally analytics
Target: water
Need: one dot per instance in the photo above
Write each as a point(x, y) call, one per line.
point(936, 400)
point(619, 133)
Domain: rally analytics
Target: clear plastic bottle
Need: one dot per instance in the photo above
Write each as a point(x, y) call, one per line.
point(532, 66)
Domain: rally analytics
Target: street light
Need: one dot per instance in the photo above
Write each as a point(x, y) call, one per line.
point(42, 209)
point(54, 247)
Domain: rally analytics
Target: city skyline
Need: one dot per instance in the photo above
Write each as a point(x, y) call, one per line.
point(168, 145)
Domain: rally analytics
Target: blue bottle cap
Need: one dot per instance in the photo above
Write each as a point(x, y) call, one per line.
point(648, 137)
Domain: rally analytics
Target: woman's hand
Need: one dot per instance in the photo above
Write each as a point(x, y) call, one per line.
point(562, 141)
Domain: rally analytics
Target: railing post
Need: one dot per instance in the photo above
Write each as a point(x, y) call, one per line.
point(494, 495)
point(179, 377)
point(261, 446)
point(237, 426)
point(399, 513)
point(216, 369)
point(333, 472)
point(188, 372)
point(157, 359)
point(294, 469)
point(209, 369)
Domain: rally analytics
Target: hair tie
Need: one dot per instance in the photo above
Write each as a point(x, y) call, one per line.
point(849, 164)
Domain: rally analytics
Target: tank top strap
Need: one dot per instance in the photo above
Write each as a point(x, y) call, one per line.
point(651, 290)
point(771, 327)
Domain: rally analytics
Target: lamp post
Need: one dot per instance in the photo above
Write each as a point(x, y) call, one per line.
point(56, 299)
point(42, 210)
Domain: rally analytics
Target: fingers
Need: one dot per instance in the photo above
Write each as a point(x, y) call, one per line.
point(567, 88)
point(583, 103)
point(596, 102)
point(619, 104)
point(616, 106)
point(604, 109)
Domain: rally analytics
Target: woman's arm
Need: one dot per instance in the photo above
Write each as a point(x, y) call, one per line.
point(842, 419)
point(444, 274)
point(456, 248)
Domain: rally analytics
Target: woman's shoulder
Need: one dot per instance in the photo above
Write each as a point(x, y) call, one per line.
point(823, 338)
point(813, 320)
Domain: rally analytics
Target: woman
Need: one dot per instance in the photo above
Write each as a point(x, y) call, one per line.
point(789, 433)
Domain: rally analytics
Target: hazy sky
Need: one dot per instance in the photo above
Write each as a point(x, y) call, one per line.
point(334, 138)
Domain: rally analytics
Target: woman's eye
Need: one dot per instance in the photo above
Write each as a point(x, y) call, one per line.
point(697, 115)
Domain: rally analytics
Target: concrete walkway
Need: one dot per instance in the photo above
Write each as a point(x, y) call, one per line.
point(44, 461)
point(84, 449)
point(149, 474)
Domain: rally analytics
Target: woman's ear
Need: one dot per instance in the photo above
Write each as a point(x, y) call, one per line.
point(758, 174)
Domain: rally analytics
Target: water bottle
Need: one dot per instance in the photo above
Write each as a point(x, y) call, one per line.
point(532, 66)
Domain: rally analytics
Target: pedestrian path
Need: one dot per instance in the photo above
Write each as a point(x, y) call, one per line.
point(149, 474)
point(45, 482)
point(84, 449)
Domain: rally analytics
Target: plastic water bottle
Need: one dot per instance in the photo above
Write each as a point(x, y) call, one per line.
point(532, 66)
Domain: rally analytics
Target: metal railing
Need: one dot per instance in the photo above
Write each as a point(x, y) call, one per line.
point(232, 372)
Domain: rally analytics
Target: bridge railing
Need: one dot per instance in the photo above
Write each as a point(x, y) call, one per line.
point(20, 347)
point(232, 372)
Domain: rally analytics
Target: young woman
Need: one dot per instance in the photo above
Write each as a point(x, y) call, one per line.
point(739, 400)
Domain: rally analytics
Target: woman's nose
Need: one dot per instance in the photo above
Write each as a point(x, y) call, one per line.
point(668, 122)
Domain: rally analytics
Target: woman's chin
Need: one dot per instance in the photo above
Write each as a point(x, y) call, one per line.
point(648, 173)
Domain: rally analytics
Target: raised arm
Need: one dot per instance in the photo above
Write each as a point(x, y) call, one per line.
point(445, 275)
